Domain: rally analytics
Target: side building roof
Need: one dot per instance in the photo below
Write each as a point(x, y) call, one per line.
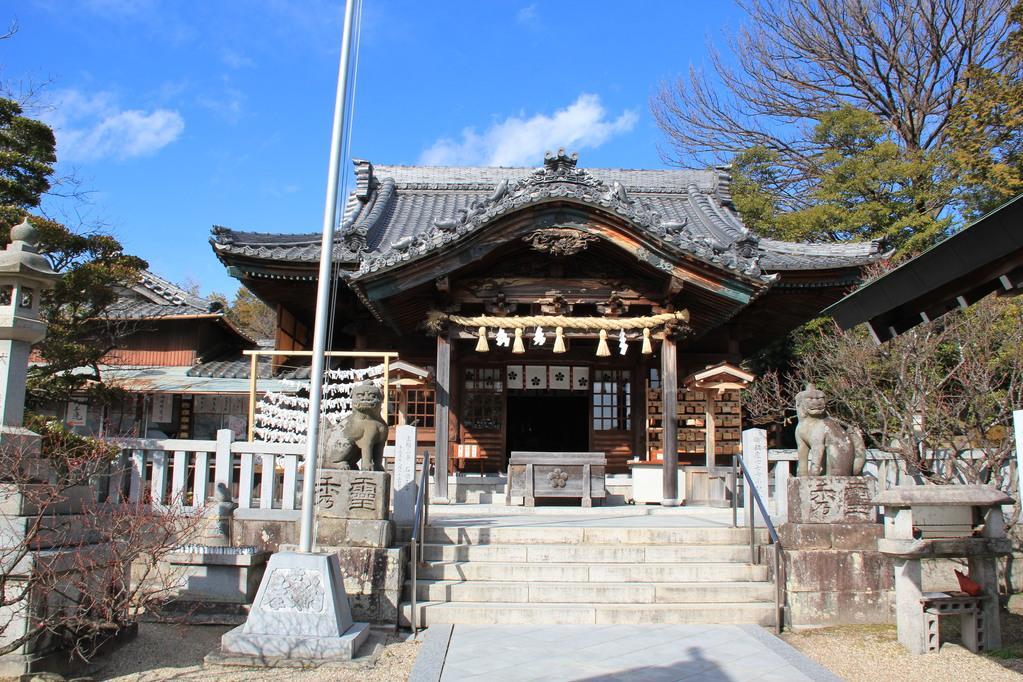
point(155, 298)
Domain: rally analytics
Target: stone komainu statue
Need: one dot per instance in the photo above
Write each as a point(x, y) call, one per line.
point(825, 447)
point(360, 437)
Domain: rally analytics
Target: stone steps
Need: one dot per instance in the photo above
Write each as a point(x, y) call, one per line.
point(572, 573)
point(524, 592)
point(561, 553)
point(582, 535)
point(583, 572)
point(493, 613)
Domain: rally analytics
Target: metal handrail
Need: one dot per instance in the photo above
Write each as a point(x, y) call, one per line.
point(416, 543)
point(779, 579)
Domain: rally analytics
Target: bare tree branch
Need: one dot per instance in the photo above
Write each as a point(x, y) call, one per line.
point(902, 60)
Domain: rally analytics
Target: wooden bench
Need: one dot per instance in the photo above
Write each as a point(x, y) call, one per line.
point(556, 474)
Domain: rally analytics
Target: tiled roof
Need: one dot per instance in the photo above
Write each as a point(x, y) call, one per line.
point(154, 296)
point(398, 213)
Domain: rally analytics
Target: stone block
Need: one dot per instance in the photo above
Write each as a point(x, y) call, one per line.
point(229, 578)
point(837, 571)
point(266, 534)
point(366, 570)
point(354, 532)
point(831, 499)
point(352, 494)
point(373, 580)
point(839, 608)
point(806, 536)
point(28, 499)
point(857, 536)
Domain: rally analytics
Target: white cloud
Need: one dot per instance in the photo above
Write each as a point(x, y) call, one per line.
point(91, 127)
point(521, 141)
point(234, 59)
point(528, 15)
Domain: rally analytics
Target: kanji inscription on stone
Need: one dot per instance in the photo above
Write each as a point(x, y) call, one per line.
point(857, 502)
point(831, 499)
point(327, 491)
point(352, 494)
point(822, 498)
point(362, 494)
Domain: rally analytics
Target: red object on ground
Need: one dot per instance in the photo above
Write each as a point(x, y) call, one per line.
point(969, 586)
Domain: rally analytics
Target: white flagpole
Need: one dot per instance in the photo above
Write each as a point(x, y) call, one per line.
point(324, 286)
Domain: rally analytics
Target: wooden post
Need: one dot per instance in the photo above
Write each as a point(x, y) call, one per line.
point(223, 471)
point(709, 435)
point(441, 416)
point(669, 403)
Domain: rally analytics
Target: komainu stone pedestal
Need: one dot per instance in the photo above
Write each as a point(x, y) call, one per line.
point(353, 525)
point(352, 508)
point(300, 613)
point(834, 574)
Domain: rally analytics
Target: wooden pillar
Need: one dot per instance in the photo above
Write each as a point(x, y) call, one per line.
point(709, 434)
point(669, 402)
point(441, 416)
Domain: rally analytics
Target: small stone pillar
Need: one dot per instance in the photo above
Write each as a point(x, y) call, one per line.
point(834, 574)
point(944, 521)
point(405, 487)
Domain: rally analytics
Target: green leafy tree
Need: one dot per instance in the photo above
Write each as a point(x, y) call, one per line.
point(93, 266)
point(251, 314)
point(867, 187)
point(254, 315)
point(27, 155)
point(986, 130)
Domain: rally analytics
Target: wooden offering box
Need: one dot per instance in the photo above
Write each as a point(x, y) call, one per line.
point(557, 474)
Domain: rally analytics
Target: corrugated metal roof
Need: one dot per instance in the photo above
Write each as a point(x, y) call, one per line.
point(177, 380)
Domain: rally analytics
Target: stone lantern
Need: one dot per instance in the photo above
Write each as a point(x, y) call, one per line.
point(24, 275)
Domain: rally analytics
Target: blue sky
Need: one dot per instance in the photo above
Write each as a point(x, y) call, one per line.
point(180, 114)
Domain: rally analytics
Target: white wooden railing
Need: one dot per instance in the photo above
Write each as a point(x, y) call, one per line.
point(186, 472)
point(263, 475)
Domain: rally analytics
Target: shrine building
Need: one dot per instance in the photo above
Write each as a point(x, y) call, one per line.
point(552, 304)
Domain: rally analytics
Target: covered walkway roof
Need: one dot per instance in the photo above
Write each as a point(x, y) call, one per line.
point(985, 257)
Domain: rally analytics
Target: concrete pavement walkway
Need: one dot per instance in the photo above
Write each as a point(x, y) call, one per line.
point(717, 653)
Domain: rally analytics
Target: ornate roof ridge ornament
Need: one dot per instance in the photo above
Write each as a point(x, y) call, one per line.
point(560, 162)
point(559, 178)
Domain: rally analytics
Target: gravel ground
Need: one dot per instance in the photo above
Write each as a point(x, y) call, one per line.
point(175, 652)
point(871, 653)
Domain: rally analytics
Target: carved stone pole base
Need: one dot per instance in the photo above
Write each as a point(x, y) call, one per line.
point(301, 612)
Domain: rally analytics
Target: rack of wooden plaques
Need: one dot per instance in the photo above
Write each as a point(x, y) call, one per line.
point(695, 406)
point(727, 412)
point(691, 418)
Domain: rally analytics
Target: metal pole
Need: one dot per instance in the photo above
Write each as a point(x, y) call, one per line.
point(735, 496)
point(752, 526)
point(779, 610)
point(323, 286)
